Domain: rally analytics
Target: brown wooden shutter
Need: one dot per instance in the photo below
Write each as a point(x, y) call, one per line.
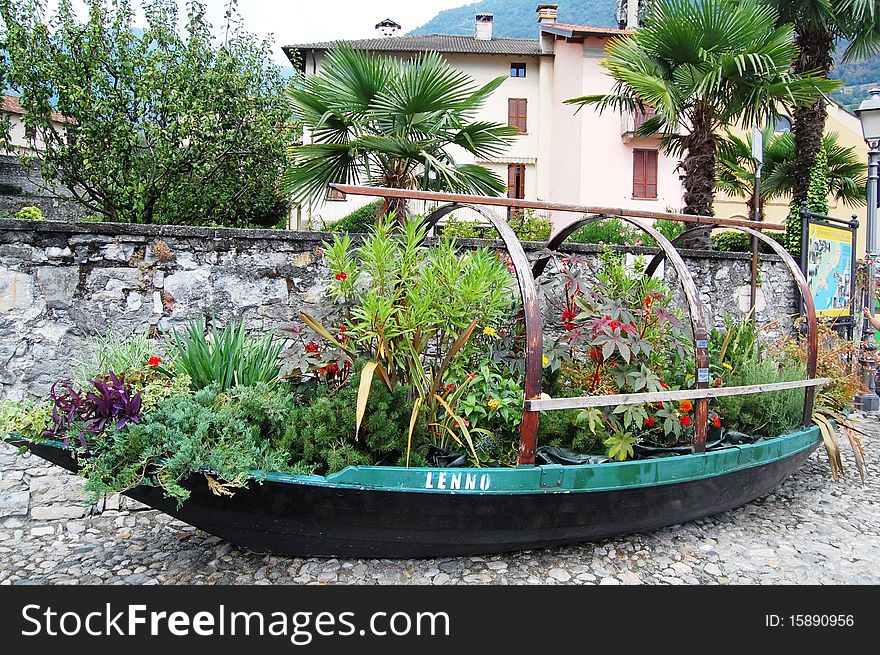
point(650, 173)
point(516, 181)
point(644, 173)
point(516, 113)
point(638, 173)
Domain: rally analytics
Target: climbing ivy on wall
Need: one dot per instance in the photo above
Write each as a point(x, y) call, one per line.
point(817, 202)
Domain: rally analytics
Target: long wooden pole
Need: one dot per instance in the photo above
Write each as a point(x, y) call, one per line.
point(386, 192)
point(581, 402)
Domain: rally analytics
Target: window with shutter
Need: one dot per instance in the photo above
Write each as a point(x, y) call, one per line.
point(516, 181)
point(644, 173)
point(516, 114)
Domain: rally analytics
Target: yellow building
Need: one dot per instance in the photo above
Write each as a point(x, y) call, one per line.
point(849, 133)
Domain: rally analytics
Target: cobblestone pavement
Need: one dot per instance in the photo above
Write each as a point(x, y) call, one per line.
point(809, 531)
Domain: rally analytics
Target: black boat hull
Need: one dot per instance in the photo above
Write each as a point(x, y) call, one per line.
point(305, 519)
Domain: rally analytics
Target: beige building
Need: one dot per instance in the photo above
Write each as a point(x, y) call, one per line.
point(22, 139)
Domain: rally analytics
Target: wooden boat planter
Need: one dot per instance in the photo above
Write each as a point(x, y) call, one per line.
point(382, 511)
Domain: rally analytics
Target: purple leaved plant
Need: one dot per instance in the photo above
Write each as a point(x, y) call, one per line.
point(109, 403)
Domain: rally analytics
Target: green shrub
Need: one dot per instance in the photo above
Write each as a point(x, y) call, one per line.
point(24, 418)
point(609, 231)
point(528, 226)
point(454, 228)
point(229, 357)
point(228, 434)
point(361, 220)
point(731, 242)
point(30, 214)
point(765, 414)
point(741, 242)
point(320, 434)
point(669, 229)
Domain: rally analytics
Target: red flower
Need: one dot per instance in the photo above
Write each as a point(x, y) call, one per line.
point(716, 422)
point(153, 361)
point(718, 382)
point(648, 301)
point(649, 421)
point(664, 385)
point(568, 316)
point(685, 420)
point(614, 325)
point(312, 347)
point(595, 354)
point(341, 275)
point(449, 387)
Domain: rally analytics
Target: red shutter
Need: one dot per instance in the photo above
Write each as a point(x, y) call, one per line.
point(650, 173)
point(638, 173)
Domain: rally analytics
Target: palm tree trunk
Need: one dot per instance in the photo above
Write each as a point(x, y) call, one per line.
point(816, 49)
point(698, 167)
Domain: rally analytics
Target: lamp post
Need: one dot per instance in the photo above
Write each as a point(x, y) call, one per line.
point(869, 116)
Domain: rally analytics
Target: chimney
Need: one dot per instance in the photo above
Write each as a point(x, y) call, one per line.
point(483, 27)
point(547, 13)
point(387, 28)
point(632, 15)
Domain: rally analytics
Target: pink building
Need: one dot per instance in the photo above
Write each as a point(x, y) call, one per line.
point(562, 155)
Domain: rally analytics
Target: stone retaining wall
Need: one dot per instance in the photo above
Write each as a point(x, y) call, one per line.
point(63, 282)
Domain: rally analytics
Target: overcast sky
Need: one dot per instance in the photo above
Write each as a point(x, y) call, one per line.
point(303, 21)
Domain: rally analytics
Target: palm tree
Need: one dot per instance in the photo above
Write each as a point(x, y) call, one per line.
point(820, 25)
point(847, 173)
point(382, 121)
point(704, 65)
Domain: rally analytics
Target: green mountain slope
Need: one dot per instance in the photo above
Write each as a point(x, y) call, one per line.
point(516, 19)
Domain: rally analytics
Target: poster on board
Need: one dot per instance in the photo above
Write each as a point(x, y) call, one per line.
point(829, 270)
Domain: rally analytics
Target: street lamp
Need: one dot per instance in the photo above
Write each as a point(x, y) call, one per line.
point(869, 116)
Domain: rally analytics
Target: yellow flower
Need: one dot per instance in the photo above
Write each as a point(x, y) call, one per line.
point(490, 331)
point(727, 366)
point(545, 360)
point(492, 404)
